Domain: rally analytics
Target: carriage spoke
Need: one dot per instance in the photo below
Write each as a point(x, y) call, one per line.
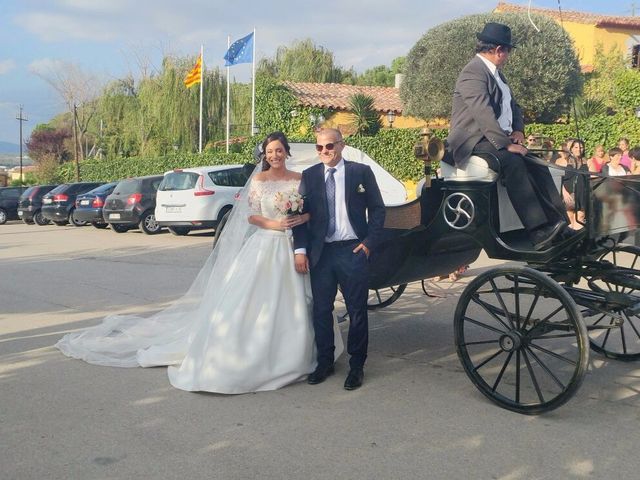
point(516, 289)
point(487, 360)
point(600, 319)
point(518, 376)
point(378, 295)
point(559, 335)
point(484, 342)
point(552, 314)
point(484, 325)
point(547, 369)
point(504, 367)
point(553, 354)
point(624, 340)
point(533, 376)
point(630, 322)
point(496, 291)
point(533, 304)
point(487, 307)
point(606, 337)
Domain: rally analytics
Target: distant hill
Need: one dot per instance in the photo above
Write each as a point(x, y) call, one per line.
point(11, 148)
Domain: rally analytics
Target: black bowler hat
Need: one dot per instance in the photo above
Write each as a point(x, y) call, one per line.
point(496, 33)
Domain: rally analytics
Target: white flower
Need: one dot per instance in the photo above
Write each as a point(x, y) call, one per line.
point(360, 189)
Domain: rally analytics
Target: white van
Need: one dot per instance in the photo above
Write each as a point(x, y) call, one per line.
point(196, 198)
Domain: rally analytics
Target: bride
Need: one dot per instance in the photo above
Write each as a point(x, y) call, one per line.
point(245, 323)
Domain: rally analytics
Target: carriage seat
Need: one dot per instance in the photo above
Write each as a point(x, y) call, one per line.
point(476, 170)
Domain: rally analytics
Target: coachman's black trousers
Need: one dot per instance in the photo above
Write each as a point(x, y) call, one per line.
point(529, 185)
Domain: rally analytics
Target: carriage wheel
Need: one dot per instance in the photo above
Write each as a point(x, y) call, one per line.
point(383, 297)
point(521, 339)
point(619, 333)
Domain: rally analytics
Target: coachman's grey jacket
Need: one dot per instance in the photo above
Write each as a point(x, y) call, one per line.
point(477, 101)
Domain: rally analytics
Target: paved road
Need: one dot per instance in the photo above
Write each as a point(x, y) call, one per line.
point(417, 416)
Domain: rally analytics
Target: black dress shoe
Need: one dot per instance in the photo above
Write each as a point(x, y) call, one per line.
point(543, 236)
point(354, 379)
point(320, 374)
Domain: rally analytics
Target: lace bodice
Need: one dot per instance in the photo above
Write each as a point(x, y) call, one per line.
point(262, 195)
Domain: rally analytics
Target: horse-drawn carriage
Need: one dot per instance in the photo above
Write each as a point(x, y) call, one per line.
point(522, 333)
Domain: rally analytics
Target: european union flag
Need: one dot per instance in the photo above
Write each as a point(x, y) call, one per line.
point(240, 51)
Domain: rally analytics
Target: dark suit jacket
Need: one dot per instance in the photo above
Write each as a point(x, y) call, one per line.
point(477, 104)
point(311, 236)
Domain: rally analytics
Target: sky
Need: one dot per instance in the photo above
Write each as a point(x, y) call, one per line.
point(113, 38)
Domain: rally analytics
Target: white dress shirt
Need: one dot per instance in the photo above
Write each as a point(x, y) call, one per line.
point(506, 114)
point(344, 230)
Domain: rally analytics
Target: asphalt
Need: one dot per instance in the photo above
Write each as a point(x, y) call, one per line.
point(417, 415)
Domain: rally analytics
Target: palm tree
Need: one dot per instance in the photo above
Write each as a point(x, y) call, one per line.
point(365, 119)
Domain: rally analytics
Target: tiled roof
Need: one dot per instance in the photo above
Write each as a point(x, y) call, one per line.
point(574, 16)
point(336, 95)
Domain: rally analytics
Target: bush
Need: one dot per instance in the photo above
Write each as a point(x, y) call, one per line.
point(543, 71)
point(118, 168)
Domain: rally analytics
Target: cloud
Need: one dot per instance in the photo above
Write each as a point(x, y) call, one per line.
point(53, 27)
point(359, 34)
point(44, 65)
point(7, 65)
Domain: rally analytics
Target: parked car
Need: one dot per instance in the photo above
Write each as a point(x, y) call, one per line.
point(132, 205)
point(59, 204)
point(9, 203)
point(30, 204)
point(195, 198)
point(89, 205)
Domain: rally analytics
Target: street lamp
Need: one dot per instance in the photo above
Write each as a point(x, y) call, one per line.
point(391, 117)
point(255, 130)
point(316, 120)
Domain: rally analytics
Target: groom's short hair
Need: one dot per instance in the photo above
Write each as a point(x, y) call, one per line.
point(335, 131)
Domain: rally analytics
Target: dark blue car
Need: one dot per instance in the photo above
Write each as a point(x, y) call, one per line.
point(89, 205)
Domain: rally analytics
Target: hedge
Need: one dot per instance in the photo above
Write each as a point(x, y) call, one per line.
point(391, 148)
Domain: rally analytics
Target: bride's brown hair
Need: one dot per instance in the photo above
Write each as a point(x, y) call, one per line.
point(272, 137)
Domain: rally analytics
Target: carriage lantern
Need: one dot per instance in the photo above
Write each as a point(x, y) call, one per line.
point(429, 149)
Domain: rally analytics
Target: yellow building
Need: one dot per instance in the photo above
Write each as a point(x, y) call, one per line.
point(335, 96)
point(590, 30)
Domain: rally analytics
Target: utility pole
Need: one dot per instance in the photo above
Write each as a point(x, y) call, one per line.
point(21, 119)
point(75, 140)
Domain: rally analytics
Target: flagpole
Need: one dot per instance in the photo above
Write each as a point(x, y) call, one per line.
point(228, 93)
point(253, 87)
point(201, 89)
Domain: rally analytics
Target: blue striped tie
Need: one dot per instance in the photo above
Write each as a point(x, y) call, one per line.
point(331, 201)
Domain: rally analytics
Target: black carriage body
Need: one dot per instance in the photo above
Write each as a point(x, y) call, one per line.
point(418, 244)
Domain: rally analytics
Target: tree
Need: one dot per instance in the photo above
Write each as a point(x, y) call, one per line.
point(543, 71)
point(382, 75)
point(601, 82)
point(48, 148)
point(304, 61)
point(78, 89)
point(366, 120)
point(158, 113)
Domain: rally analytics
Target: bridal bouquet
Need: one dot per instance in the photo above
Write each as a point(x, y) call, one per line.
point(289, 203)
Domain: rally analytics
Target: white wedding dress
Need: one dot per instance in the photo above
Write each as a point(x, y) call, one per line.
point(244, 326)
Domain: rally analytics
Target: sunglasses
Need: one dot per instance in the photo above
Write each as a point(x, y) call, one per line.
point(328, 146)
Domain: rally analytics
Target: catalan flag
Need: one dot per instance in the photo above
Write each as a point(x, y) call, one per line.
point(195, 75)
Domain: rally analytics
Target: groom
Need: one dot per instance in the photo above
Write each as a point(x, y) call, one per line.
point(347, 217)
